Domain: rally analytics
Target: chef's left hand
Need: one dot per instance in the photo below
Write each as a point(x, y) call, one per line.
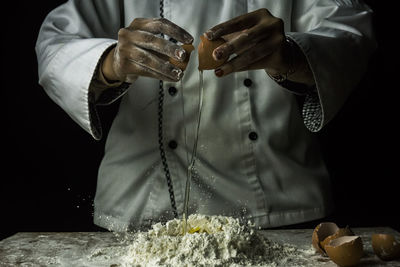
point(258, 41)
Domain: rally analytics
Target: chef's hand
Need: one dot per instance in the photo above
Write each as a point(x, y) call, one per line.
point(140, 52)
point(258, 41)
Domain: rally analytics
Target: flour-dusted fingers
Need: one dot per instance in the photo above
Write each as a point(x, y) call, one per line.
point(152, 42)
point(239, 23)
point(140, 51)
point(265, 49)
point(261, 64)
point(164, 26)
point(133, 56)
point(245, 59)
point(251, 37)
point(144, 71)
point(266, 28)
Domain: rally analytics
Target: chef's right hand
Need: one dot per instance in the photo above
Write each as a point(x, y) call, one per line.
point(140, 52)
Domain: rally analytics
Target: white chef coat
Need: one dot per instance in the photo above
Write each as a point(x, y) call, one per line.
point(276, 177)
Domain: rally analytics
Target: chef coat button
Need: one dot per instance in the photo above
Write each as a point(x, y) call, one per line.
point(173, 40)
point(172, 90)
point(253, 136)
point(247, 82)
point(173, 144)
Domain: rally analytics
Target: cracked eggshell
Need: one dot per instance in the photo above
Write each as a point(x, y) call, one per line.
point(182, 65)
point(339, 233)
point(322, 231)
point(345, 251)
point(205, 50)
point(385, 246)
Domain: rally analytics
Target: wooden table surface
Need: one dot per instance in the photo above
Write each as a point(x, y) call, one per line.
point(107, 249)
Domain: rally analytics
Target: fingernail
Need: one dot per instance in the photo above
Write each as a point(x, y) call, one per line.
point(209, 35)
point(218, 54)
point(180, 53)
point(178, 73)
point(219, 72)
point(189, 39)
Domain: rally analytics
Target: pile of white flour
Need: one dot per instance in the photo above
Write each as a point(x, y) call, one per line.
point(212, 241)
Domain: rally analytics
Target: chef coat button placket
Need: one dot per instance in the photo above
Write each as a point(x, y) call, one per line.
point(172, 144)
point(172, 91)
point(247, 82)
point(253, 136)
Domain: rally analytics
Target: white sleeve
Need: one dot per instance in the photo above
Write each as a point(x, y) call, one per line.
point(337, 39)
point(71, 41)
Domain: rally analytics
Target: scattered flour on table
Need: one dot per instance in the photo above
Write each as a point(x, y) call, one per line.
point(211, 241)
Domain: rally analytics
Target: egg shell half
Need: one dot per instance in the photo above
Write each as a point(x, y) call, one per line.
point(322, 231)
point(341, 232)
point(385, 246)
point(205, 50)
point(345, 251)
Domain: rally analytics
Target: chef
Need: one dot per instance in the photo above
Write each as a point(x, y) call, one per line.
point(289, 67)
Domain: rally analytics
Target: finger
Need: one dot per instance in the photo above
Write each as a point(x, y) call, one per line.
point(248, 57)
point(237, 42)
point(182, 65)
point(149, 62)
point(231, 36)
point(243, 40)
point(276, 62)
point(258, 64)
point(164, 26)
point(146, 72)
point(152, 42)
point(239, 23)
point(273, 63)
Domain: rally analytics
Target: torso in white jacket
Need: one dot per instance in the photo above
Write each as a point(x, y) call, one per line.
point(256, 158)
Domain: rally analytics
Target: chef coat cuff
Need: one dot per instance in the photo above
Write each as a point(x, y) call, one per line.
point(311, 107)
point(67, 74)
point(102, 92)
point(312, 111)
point(337, 59)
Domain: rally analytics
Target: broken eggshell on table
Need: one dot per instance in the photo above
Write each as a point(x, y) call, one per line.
point(340, 244)
point(386, 247)
point(339, 233)
point(326, 232)
point(345, 250)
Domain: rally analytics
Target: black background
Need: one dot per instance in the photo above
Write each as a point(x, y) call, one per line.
point(50, 164)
